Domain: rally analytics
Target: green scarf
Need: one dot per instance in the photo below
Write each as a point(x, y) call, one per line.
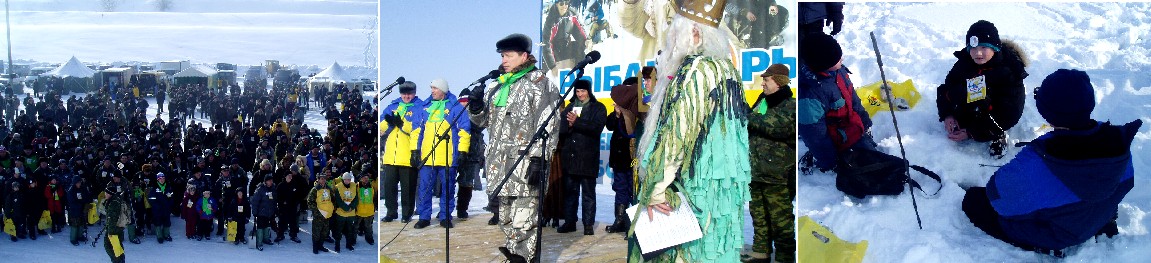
point(437, 111)
point(506, 81)
point(205, 206)
point(403, 108)
point(761, 108)
point(163, 187)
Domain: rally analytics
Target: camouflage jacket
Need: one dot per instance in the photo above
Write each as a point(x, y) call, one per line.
point(771, 137)
point(511, 127)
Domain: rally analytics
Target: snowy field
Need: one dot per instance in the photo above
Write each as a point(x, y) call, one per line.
point(307, 35)
point(1109, 41)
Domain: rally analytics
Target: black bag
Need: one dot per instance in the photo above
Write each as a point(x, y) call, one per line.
point(866, 172)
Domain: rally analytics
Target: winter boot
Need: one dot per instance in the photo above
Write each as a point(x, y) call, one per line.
point(512, 257)
point(73, 236)
point(267, 236)
point(337, 245)
point(368, 238)
point(567, 227)
point(168, 234)
point(446, 223)
point(495, 220)
point(622, 224)
point(279, 237)
point(315, 247)
point(588, 230)
point(159, 234)
point(320, 246)
point(463, 199)
point(421, 224)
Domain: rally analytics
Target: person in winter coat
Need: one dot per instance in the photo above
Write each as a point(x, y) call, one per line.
point(470, 164)
point(580, 131)
point(239, 210)
point(623, 122)
point(160, 197)
point(264, 207)
point(116, 216)
point(1065, 186)
point(366, 207)
point(518, 105)
point(983, 95)
point(771, 138)
point(440, 136)
point(287, 206)
point(188, 211)
point(207, 209)
point(13, 209)
point(831, 117)
point(55, 200)
point(225, 188)
point(322, 208)
point(78, 198)
point(344, 221)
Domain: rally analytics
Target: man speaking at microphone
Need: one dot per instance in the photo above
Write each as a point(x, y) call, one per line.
point(695, 136)
point(511, 112)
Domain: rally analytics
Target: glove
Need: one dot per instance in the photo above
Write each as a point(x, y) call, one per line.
point(416, 161)
point(476, 102)
point(393, 120)
point(836, 24)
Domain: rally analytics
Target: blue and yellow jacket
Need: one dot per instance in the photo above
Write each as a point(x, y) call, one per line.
point(429, 123)
point(397, 147)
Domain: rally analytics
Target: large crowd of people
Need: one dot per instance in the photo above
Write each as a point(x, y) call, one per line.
point(220, 159)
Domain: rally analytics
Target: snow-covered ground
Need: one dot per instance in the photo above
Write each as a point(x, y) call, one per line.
point(307, 35)
point(1110, 41)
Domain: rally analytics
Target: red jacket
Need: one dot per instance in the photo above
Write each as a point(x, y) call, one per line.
point(55, 196)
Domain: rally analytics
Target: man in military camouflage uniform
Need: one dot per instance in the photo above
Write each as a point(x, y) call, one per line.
point(771, 135)
point(320, 203)
point(117, 214)
point(519, 104)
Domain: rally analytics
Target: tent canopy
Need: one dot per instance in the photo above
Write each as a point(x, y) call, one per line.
point(334, 73)
point(73, 68)
point(196, 71)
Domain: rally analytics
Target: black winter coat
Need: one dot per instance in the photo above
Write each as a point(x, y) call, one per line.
point(1004, 99)
point(77, 198)
point(580, 153)
point(264, 201)
point(290, 195)
point(619, 155)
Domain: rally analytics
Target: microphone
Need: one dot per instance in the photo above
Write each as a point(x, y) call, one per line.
point(398, 81)
point(491, 75)
point(590, 58)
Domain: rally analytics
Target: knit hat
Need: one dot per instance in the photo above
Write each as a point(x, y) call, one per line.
point(440, 84)
point(465, 95)
point(1066, 99)
point(408, 87)
point(347, 176)
point(514, 42)
point(983, 33)
point(820, 52)
point(778, 73)
point(159, 175)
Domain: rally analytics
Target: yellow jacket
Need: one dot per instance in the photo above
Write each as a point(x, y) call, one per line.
point(366, 206)
point(397, 147)
point(347, 202)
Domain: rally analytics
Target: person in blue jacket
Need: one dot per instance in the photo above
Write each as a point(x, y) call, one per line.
point(831, 117)
point(440, 135)
point(1065, 186)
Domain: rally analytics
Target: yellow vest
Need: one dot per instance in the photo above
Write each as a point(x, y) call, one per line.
point(324, 202)
point(366, 206)
point(347, 195)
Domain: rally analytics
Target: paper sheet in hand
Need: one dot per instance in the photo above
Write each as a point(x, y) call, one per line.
point(678, 227)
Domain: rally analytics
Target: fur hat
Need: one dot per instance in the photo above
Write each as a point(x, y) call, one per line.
point(582, 84)
point(647, 72)
point(408, 87)
point(778, 73)
point(1066, 99)
point(820, 52)
point(515, 42)
point(983, 33)
point(625, 96)
point(440, 84)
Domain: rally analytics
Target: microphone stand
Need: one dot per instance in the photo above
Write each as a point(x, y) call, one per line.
point(541, 133)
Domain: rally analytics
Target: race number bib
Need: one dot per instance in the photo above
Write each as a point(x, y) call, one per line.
point(976, 89)
point(240, 209)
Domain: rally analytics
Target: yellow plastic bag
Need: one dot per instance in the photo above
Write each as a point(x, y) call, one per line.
point(117, 247)
point(232, 231)
point(9, 226)
point(818, 244)
point(874, 100)
point(93, 217)
point(45, 221)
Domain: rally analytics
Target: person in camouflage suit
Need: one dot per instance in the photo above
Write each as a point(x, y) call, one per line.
point(117, 213)
point(519, 103)
point(771, 135)
point(320, 203)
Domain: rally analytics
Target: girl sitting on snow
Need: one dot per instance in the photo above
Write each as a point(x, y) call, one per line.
point(983, 94)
